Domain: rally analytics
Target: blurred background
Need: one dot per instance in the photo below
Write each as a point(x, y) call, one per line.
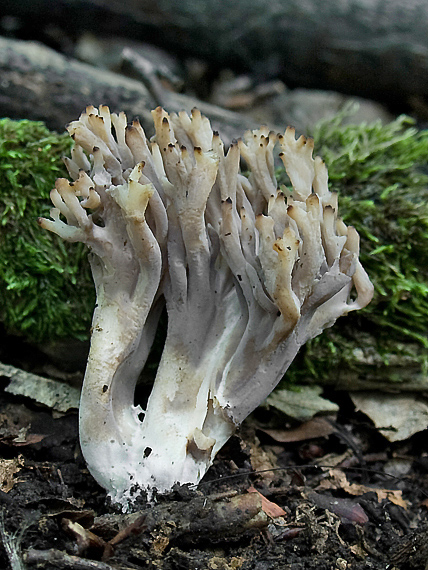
point(276, 62)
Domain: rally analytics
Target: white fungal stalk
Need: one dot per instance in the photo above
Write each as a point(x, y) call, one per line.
point(246, 274)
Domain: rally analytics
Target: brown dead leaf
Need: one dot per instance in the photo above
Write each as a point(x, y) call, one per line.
point(346, 509)
point(30, 439)
point(333, 459)
point(85, 539)
point(271, 509)
point(263, 461)
point(394, 496)
point(316, 427)
point(8, 469)
point(338, 480)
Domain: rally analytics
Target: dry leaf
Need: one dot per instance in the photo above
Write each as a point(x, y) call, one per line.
point(346, 509)
point(334, 459)
point(271, 509)
point(8, 469)
point(338, 480)
point(301, 404)
point(85, 539)
point(397, 416)
point(29, 440)
point(316, 427)
point(264, 462)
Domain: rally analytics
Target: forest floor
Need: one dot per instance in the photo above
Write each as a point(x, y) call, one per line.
point(331, 494)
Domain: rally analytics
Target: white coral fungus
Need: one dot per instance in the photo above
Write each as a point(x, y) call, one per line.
point(248, 273)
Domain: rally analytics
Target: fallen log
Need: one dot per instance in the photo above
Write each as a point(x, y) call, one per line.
point(370, 48)
point(38, 83)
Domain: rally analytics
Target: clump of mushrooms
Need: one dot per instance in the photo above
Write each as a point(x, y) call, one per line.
point(248, 273)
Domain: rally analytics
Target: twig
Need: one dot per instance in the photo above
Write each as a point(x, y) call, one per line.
point(134, 528)
point(61, 560)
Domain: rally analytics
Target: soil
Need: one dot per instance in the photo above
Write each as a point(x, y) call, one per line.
point(344, 500)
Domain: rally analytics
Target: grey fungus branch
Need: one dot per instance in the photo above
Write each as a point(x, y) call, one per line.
point(247, 271)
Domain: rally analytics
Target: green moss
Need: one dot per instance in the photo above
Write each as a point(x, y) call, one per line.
point(46, 290)
point(381, 175)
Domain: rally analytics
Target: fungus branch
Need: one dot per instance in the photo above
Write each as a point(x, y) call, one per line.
point(247, 275)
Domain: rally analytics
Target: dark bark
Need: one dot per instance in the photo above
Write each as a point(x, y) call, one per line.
point(372, 48)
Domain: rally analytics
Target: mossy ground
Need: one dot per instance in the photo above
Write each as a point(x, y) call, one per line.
point(380, 173)
point(45, 286)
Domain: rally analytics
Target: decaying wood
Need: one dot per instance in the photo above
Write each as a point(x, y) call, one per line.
point(201, 518)
point(372, 48)
point(62, 561)
point(38, 83)
point(411, 551)
point(57, 395)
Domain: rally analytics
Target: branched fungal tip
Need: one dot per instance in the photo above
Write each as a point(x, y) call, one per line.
point(245, 277)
